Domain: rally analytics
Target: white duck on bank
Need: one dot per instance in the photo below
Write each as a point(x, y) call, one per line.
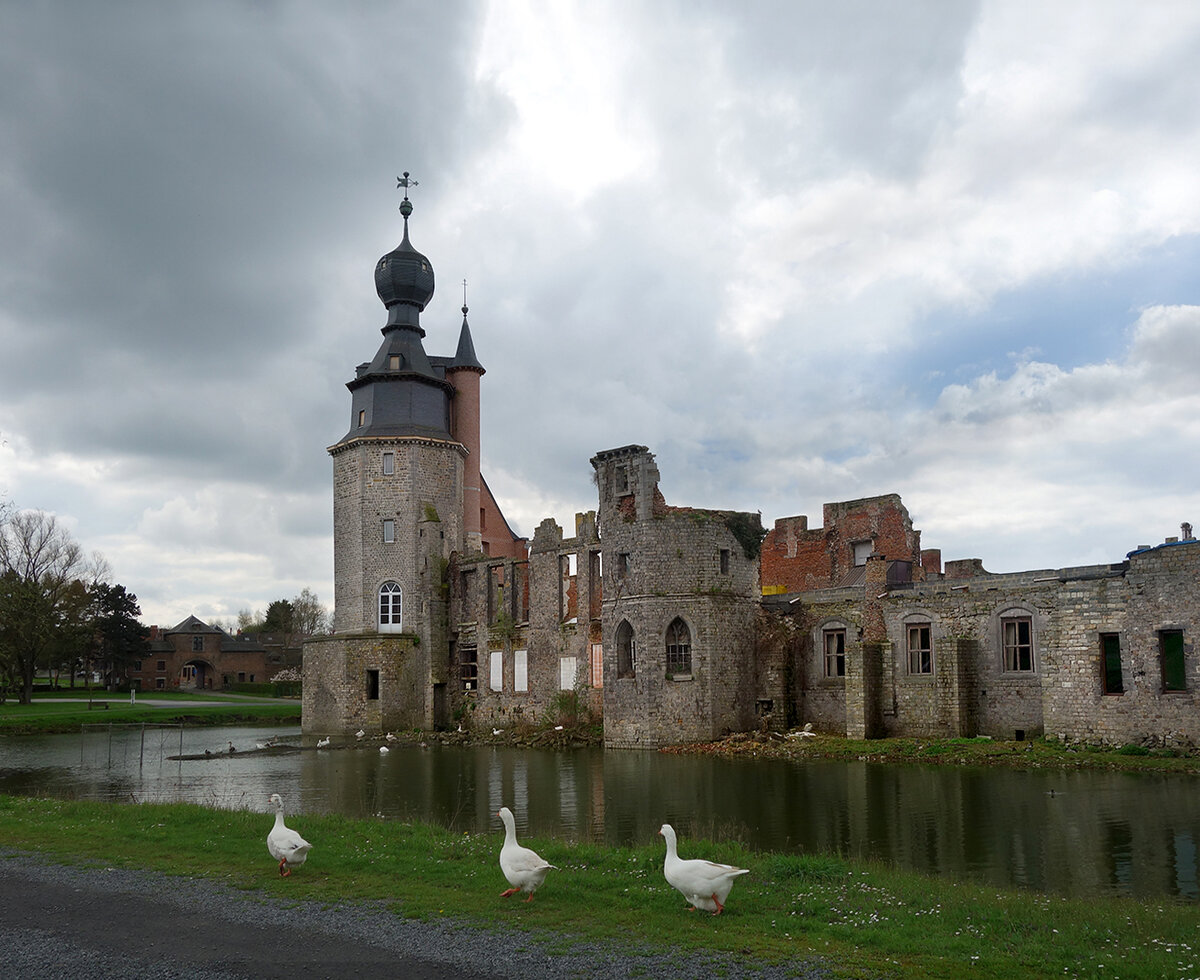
point(705, 884)
point(286, 846)
point(524, 869)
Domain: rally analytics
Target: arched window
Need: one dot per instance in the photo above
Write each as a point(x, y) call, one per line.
point(679, 648)
point(626, 650)
point(390, 612)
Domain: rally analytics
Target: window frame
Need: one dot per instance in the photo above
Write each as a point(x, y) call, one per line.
point(496, 671)
point(389, 618)
point(521, 671)
point(919, 659)
point(1011, 650)
point(389, 530)
point(678, 644)
point(626, 651)
point(833, 663)
point(389, 463)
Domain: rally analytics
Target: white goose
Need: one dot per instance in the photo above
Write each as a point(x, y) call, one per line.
point(523, 868)
point(703, 883)
point(286, 846)
point(323, 743)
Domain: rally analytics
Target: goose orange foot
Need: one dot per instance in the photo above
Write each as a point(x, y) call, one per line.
point(511, 891)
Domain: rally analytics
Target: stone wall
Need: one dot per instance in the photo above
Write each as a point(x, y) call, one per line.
point(374, 682)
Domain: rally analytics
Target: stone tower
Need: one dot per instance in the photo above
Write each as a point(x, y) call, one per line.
point(398, 510)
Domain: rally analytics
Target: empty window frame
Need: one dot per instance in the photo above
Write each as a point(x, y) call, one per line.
point(626, 651)
point(521, 670)
point(496, 671)
point(568, 667)
point(1016, 635)
point(372, 685)
point(389, 530)
point(1170, 646)
point(834, 644)
point(679, 649)
point(920, 648)
point(623, 564)
point(389, 464)
point(1110, 663)
point(468, 668)
point(724, 561)
point(597, 664)
point(391, 619)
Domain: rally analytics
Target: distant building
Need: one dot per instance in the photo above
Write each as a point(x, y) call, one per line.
point(196, 656)
point(681, 624)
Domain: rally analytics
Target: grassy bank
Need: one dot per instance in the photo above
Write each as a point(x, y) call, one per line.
point(858, 920)
point(66, 711)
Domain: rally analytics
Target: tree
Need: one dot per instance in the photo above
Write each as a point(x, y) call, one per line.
point(39, 561)
point(308, 615)
point(279, 618)
point(119, 637)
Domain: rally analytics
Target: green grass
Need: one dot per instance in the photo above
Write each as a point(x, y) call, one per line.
point(49, 716)
point(859, 920)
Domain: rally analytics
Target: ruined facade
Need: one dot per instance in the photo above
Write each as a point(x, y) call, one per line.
point(680, 624)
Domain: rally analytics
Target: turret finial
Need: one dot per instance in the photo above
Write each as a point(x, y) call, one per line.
point(406, 205)
point(464, 297)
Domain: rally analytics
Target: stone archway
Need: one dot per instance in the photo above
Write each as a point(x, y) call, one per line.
point(196, 675)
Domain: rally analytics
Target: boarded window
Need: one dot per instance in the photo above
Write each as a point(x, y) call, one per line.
point(1017, 633)
point(1110, 653)
point(626, 650)
point(862, 551)
point(679, 649)
point(834, 642)
point(597, 662)
point(567, 669)
point(920, 649)
point(520, 670)
point(1171, 646)
point(497, 670)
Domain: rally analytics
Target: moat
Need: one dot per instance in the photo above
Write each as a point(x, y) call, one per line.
point(1076, 832)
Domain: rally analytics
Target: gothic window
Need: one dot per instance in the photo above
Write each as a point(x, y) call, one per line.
point(390, 608)
point(679, 649)
point(626, 650)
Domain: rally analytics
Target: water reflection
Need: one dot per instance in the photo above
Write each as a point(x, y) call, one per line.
point(1080, 833)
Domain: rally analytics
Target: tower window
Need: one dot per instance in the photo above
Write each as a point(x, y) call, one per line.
point(389, 464)
point(626, 651)
point(362, 417)
point(679, 649)
point(724, 561)
point(389, 531)
point(372, 685)
point(394, 362)
point(390, 608)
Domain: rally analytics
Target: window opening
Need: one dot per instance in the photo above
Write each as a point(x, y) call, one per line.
point(389, 464)
point(372, 685)
point(597, 664)
point(197, 643)
point(679, 649)
point(390, 608)
point(389, 531)
point(1171, 646)
point(724, 561)
point(623, 564)
point(468, 668)
point(1018, 643)
point(835, 653)
point(496, 678)
point(626, 651)
point(1110, 653)
point(520, 670)
point(862, 551)
point(920, 649)
point(362, 417)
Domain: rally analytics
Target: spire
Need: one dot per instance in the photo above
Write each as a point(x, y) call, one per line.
point(464, 357)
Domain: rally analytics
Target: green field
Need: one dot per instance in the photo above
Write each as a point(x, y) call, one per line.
point(67, 710)
point(858, 920)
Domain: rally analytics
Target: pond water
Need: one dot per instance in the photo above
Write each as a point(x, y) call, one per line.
point(1076, 833)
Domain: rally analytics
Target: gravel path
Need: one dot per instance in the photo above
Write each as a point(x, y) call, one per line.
point(61, 922)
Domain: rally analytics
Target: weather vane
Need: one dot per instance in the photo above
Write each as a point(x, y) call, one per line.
point(406, 182)
point(464, 297)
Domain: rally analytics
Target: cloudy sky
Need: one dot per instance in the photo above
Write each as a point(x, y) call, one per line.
point(804, 251)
